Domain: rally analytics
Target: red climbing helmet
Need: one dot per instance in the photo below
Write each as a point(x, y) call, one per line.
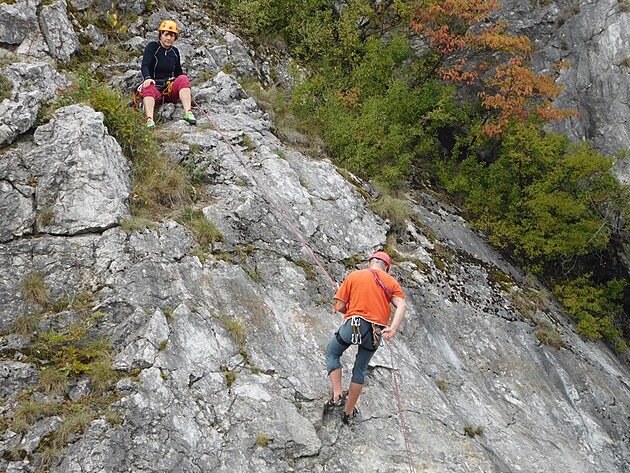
point(384, 257)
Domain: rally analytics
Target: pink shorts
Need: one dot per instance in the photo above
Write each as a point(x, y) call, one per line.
point(180, 82)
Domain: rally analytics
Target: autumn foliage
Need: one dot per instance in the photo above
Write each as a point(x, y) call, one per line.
point(470, 47)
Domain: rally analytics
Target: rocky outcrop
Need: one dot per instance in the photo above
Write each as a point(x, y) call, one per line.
point(33, 85)
point(593, 37)
point(222, 347)
point(209, 399)
point(17, 20)
point(73, 179)
point(60, 36)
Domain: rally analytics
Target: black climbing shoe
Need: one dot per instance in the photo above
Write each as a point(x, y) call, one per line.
point(346, 418)
point(332, 403)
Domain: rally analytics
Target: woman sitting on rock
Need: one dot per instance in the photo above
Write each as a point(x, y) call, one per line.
point(163, 75)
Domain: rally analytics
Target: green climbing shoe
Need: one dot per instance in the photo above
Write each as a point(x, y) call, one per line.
point(190, 118)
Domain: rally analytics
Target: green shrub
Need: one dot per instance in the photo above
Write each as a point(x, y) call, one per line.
point(542, 197)
point(593, 305)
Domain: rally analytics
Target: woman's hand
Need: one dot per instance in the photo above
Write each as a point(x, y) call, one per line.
point(147, 83)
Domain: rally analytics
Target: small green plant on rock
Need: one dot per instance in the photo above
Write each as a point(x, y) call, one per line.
point(235, 328)
point(352, 261)
point(472, 432)
point(45, 217)
point(25, 324)
point(205, 231)
point(248, 142)
point(393, 209)
point(308, 269)
point(53, 381)
point(136, 224)
point(230, 375)
point(442, 384)
point(262, 440)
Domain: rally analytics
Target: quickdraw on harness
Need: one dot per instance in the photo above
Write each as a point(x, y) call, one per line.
point(168, 86)
point(355, 339)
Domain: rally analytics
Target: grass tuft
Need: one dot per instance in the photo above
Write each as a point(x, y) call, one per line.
point(136, 224)
point(25, 324)
point(262, 440)
point(34, 289)
point(205, 231)
point(547, 334)
point(6, 88)
point(235, 328)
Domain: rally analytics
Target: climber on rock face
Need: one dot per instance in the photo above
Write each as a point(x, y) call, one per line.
point(163, 77)
point(364, 298)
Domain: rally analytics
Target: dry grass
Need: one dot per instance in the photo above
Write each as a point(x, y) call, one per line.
point(25, 324)
point(34, 289)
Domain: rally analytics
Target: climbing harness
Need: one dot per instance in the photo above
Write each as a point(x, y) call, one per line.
point(377, 336)
point(298, 235)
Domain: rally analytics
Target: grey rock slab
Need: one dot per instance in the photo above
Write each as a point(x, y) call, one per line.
point(57, 29)
point(33, 84)
point(82, 176)
point(16, 20)
point(16, 376)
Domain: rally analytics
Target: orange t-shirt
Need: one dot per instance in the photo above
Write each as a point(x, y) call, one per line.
point(365, 298)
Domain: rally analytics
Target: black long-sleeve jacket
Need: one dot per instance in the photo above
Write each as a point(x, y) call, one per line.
point(160, 64)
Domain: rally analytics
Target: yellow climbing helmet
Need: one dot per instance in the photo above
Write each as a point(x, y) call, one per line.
point(169, 25)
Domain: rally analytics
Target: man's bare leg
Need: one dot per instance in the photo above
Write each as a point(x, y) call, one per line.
point(335, 380)
point(353, 396)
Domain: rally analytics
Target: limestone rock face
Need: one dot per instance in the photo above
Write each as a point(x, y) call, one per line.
point(16, 20)
point(222, 347)
point(593, 37)
point(72, 179)
point(60, 36)
point(33, 85)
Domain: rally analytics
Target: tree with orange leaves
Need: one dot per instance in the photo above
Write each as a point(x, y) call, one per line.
point(469, 47)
